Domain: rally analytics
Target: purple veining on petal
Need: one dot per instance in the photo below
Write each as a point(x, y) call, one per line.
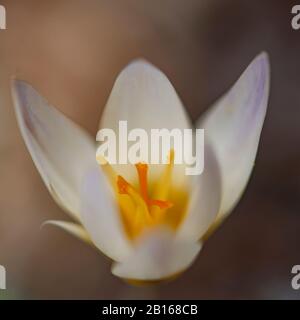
point(255, 104)
point(32, 122)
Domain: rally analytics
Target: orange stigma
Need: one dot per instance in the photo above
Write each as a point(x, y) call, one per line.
point(125, 188)
point(146, 204)
point(123, 185)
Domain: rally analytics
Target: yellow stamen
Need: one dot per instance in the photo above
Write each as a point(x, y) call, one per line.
point(142, 170)
point(140, 216)
point(126, 204)
point(141, 209)
point(162, 189)
point(125, 188)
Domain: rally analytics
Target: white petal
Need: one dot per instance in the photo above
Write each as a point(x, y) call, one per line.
point(144, 97)
point(205, 201)
point(157, 256)
point(233, 126)
point(61, 150)
point(73, 228)
point(101, 218)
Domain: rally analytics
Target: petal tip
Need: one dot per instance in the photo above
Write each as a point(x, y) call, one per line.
point(263, 56)
point(20, 90)
point(139, 63)
point(19, 85)
point(141, 66)
point(262, 62)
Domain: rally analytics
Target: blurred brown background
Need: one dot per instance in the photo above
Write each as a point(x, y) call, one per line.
point(71, 51)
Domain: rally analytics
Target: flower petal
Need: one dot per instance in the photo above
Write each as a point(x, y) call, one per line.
point(73, 228)
point(205, 200)
point(157, 256)
point(61, 150)
point(101, 218)
point(233, 127)
point(144, 97)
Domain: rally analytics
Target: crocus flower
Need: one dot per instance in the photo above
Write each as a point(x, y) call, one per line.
point(150, 220)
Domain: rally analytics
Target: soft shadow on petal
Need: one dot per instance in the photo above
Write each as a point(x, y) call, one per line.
point(60, 149)
point(73, 228)
point(101, 218)
point(144, 97)
point(158, 255)
point(233, 127)
point(205, 199)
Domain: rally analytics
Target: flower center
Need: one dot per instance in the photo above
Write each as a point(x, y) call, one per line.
point(143, 206)
point(141, 198)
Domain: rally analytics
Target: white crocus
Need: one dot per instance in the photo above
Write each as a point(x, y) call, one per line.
point(147, 244)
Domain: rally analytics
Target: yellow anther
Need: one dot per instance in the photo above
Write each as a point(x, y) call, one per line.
point(138, 207)
point(163, 186)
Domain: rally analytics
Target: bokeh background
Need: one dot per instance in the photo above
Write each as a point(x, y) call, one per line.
point(71, 51)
